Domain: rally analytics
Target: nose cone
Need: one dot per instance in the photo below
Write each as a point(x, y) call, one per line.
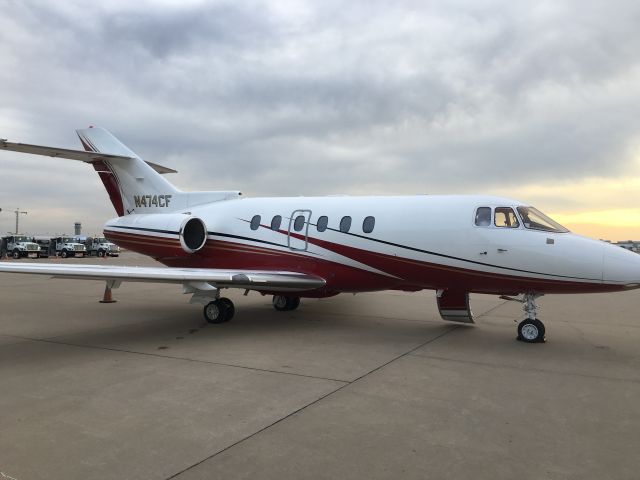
point(621, 266)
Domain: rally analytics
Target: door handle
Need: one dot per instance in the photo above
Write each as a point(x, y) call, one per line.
point(502, 250)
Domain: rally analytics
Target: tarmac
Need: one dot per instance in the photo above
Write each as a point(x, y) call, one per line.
point(371, 386)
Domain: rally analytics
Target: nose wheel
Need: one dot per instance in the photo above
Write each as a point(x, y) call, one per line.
point(219, 311)
point(531, 331)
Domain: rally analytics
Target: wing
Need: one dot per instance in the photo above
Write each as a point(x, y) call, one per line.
point(80, 155)
point(192, 279)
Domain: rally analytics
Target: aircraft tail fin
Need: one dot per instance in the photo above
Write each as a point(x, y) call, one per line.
point(131, 183)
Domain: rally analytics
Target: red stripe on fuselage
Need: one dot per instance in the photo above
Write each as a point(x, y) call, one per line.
point(238, 256)
point(108, 180)
point(412, 274)
point(437, 276)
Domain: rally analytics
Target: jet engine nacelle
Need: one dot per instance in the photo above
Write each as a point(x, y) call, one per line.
point(190, 230)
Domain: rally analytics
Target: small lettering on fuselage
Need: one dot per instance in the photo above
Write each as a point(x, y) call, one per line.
point(160, 201)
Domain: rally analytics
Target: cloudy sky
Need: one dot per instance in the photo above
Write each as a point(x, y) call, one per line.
point(535, 100)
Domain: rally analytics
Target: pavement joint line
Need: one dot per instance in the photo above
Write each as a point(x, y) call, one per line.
point(172, 357)
point(492, 309)
point(94, 330)
point(581, 335)
point(381, 317)
point(527, 369)
point(317, 400)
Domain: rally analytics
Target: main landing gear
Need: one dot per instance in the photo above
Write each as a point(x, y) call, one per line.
point(283, 303)
point(531, 329)
point(219, 311)
point(222, 309)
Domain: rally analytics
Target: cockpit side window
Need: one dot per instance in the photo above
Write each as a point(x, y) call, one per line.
point(483, 217)
point(505, 217)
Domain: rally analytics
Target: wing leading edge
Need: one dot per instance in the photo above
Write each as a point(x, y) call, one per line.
point(192, 278)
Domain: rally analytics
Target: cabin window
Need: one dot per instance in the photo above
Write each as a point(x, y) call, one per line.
point(276, 222)
point(345, 224)
point(255, 222)
point(322, 223)
point(483, 217)
point(298, 223)
point(536, 220)
point(505, 217)
point(368, 224)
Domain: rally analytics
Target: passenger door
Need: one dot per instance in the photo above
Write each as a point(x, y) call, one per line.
point(298, 230)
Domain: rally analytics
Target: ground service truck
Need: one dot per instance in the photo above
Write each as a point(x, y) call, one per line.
point(68, 247)
point(102, 247)
point(20, 246)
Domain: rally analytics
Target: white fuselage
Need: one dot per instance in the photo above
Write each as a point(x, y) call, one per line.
point(417, 242)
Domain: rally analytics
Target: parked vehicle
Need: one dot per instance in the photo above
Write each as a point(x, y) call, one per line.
point(68, 247)
point(20, 246)
point(47, 247)
point(98, 246)
point(101, 247)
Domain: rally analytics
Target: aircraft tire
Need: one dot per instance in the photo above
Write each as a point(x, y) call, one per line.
point(283, 303)
point(279, 303)
point(531, 331)
point(294, 302)
point(230, 308)
point(216, 312)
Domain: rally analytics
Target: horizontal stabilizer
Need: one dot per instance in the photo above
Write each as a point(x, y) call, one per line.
point(80, 155)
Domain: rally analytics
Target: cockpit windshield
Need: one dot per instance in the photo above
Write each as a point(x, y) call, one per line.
point(536, 220)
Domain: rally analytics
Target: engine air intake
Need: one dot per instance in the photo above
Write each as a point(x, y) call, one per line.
point(193, 235)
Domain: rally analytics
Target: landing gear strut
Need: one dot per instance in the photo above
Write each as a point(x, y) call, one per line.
point(219, 311)
point(283, 303)
point(530, 330)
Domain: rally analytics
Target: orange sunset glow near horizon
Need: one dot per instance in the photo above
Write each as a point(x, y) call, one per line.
point(596, 207)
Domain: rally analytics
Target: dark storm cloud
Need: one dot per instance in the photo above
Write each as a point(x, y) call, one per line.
point(308, 97)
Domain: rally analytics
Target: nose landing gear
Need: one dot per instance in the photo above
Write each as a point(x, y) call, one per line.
point(531, 329)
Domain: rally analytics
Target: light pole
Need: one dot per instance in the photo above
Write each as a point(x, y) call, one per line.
point(18, 213)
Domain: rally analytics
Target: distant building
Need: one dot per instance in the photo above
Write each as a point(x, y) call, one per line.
point(632, 245)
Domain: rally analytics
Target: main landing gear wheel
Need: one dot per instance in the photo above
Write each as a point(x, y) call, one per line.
point(283, 303)
point(228, 304)
point(531, 331)
point(219, 311)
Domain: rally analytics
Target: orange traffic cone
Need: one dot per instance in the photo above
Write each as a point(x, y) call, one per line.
point(108, 298)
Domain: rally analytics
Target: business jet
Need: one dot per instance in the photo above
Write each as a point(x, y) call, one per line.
point(315, 247)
